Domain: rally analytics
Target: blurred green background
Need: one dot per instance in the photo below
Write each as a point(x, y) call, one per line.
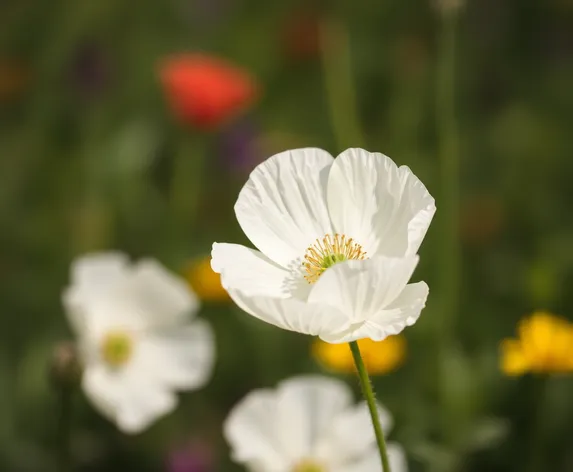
point(91, 157)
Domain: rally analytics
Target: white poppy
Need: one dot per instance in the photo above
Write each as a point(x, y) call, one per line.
point(338, 240)
point(137, 340)
point(308, 424)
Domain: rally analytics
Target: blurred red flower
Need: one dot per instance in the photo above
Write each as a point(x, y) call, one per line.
point(206, 91)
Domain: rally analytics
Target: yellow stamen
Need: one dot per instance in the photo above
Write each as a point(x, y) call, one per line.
point(117, 348)
point(308, 466)
point(326, 252)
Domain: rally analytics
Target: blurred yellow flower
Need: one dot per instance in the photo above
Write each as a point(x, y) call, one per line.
point(380, 357)
point(544, 345)
point(204, 282)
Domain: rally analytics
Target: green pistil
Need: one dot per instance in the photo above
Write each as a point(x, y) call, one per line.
point(332, 259)
point(308, 466)
point(117, 348)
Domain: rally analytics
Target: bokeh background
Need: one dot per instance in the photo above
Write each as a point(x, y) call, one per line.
point(95, 154)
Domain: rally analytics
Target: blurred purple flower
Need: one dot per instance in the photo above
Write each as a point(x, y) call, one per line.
point(196, 456)
point(90, 70)
point(239, 146)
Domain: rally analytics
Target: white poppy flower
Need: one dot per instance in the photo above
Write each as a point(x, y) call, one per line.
point(308, 424)
point(338, 241)
point(137, 340)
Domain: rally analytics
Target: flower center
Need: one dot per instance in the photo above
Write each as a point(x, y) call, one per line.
point(117, 348)
point(326, 252)
point(308, 466)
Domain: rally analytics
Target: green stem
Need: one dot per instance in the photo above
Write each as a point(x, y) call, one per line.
point(448, 215)
point(187, 179)
point(371, 401)
point(64, 427)
point(535, 456)
point(448, 151)
point(341, 95)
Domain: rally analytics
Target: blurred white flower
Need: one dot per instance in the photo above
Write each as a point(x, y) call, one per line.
point(338, 241)
point(137, 340)
point(308, 424)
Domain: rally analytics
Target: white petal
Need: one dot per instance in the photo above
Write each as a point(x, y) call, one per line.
point(160, 297)
point(180, 357)
point(361, 289)
point(384, 208)
point(126, 397)
point(307, 406)
point(371, 462)
point(282, 207)
point(96, 273)
point(248, 270)
point(274, 430)
point(351, 434)
point(252, 433)
point(93, 276)
point(397, 458)
point(293, 314)
point(141, 412)
point(142, 296)
point(402, 312)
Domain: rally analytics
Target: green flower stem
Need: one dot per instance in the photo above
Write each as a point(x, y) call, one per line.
point(448, 152)
point(535, 456)
point(448, 214)
point(341, 95)
point(187, 179)
point(371, 401)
